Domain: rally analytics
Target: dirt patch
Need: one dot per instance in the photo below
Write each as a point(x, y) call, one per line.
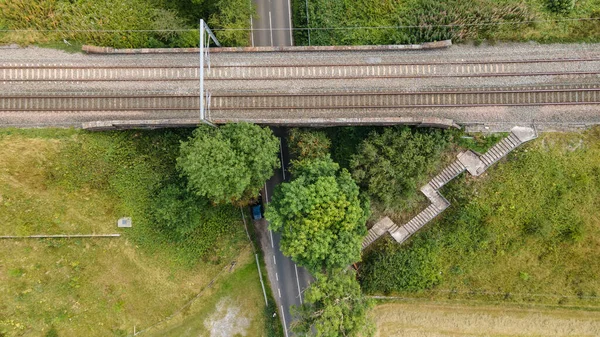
point(227, 320)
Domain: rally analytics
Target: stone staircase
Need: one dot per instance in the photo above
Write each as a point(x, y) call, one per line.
point(466, 161)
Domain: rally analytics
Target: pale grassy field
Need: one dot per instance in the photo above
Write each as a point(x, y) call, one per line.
point(93, 287)
point(428, 319)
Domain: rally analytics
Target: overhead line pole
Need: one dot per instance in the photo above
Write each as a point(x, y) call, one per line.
point(203, 30)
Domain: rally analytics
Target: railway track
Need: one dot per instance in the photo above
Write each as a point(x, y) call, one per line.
point(589, 94)
point(586, 67)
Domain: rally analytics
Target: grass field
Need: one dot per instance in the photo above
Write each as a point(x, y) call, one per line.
point(55, 181)
point(121, 23)
point(526, 231)
point(337, 22)
point(443, 319)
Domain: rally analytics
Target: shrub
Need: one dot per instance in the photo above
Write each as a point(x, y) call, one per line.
point(401, 268)
point(560, 6)
point(389, 165)
point(308, 144)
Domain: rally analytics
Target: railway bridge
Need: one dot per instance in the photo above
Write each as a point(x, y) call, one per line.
point(553, 86)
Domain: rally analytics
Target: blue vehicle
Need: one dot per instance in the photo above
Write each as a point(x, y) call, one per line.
point(257, 212)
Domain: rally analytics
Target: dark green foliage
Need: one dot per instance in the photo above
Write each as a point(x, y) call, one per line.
point(320, 216)
point(560, 6)
point(186, 220)
point(402, 268)
point(51, 333)
point(231, 163)
point(345, 141)
point(334, 306)
point(273, 326)
point(308, 144)
point(391, 164)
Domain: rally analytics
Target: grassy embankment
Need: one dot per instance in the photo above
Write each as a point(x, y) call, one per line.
point(527, 232)
point(477, 20)
point(66, 181)
point(121, 23)
point(435, 319)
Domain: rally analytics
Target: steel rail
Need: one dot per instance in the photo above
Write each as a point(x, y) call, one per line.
point(376, 93)
point(530, 74)
point(484, 62)
point(317, 101)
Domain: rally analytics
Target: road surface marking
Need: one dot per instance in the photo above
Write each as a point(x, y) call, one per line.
point(284, 325)
point(279, 291)
point(290, 19)
point(277, 277)
point(271, 232)
point(274, 262)
point(266, 195)
point(271, 28)
point(298, 282)
point(251, 31)
point(281, 153)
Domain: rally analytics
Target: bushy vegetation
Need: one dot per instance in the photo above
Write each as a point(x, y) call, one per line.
point(393, 267)
point(230, 163)
point(525, 231)
point(338, 22)
point(390, 165)
point(308, 144)
point(561, 6)
point(320, 216)
point(334, 306)
point(123, 23)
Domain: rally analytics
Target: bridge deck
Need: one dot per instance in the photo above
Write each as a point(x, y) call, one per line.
point(553, 85)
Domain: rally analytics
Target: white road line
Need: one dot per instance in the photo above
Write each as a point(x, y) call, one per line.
point(290, 18)
point(279, 292)
point(266, 195)
point(271, 232)
point(277, 277)
point(284, 325)
point(281, 153)
point(274, 262)
point(271, 28)
point(251, 30)
point(298, 282)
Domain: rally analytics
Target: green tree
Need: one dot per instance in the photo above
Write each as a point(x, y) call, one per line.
point(230, 163)
point(231, 21)
point(389, 165)
point(319, 215)
point(334, 306)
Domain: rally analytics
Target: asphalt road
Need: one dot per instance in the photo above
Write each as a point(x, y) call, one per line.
point(273, 25)
point(290, 281)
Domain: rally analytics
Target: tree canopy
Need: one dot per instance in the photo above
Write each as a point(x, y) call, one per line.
point(389, 165)
point(230, 163)
point(334, 306)
point(319, 215)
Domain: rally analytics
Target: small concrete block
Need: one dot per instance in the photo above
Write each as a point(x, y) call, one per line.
point(400, 234)
point(471, 161)
point(124, 222)
point(428, 190)
point(382, 226)
point(524, 133)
